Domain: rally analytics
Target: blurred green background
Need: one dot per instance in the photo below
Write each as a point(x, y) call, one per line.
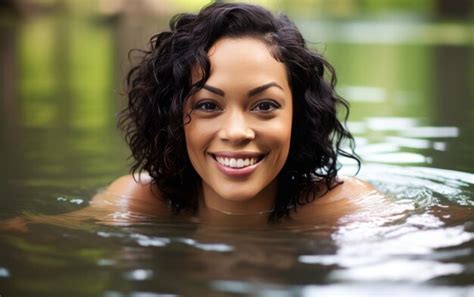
point(406, 66)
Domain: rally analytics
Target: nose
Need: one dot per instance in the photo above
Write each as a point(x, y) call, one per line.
point(235, 128)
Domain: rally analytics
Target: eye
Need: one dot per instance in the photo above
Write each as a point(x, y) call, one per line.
point(207, 106)
point(266, 106)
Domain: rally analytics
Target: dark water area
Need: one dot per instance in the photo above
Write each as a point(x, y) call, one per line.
point(410, 86)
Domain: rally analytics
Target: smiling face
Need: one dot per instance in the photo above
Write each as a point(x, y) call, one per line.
point(239, 134)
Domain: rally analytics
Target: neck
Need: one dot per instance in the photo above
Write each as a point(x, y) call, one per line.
point(224, 219)
point(238, 213)
point(259, 205)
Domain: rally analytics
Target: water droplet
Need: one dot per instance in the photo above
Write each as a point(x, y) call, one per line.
point(4, 272)
point(139, 274)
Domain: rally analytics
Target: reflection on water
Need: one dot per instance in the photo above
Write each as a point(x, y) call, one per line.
point(411, 116)
point(420, 243)
point(399, 135)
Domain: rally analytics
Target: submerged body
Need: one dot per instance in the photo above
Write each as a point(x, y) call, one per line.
point(132, 200)
point(128, 195)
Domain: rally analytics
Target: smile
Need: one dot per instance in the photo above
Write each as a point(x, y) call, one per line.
point(238, 160)
point(237, 163)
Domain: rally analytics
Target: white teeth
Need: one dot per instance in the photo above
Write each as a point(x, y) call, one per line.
point(236, 162)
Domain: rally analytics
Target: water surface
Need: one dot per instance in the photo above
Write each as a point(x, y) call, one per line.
point(412, 118)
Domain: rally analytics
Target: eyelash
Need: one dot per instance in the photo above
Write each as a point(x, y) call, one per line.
point(202, 104)
point(274, 105)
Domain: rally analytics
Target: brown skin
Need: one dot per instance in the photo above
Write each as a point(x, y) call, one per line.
point(142, 198)
point(245, 109)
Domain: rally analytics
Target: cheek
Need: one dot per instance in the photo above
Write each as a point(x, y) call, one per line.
point(198, 136)
point(284, 139)
point(193, 146)
point(278, 137)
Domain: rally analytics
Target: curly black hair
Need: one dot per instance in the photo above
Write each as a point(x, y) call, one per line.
point(160, 84)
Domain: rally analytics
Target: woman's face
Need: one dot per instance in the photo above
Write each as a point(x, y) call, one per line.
point(239, 134)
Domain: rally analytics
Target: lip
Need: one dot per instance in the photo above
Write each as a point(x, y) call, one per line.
point(237, 172)
point(238, 154)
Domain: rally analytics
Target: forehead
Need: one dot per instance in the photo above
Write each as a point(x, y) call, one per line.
point(252, 49)
point(244, 59)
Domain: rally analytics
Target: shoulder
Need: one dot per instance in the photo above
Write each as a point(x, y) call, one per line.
point(138, 186)
point(135, 193)
point(349, 187)
point(344, 199)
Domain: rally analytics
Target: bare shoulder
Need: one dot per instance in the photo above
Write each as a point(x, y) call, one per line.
point(344, 199)
point(350, 187)
point(136, 186)
point(132, 193)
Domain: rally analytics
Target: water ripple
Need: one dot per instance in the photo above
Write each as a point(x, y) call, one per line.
point(421, 184)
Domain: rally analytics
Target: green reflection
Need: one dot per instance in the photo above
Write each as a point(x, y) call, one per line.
point(400, 72)
point(38, 79)
point(67, 101)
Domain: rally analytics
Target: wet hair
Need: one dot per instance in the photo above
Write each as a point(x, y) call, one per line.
point(160, 84)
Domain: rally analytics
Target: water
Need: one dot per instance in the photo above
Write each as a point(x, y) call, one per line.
point(412, 118)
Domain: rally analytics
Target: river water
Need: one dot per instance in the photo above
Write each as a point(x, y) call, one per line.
point(412, 116)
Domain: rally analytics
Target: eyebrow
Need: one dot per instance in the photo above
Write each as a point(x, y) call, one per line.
point(251, 93)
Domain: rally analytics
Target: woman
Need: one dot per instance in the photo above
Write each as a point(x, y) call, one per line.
point(230, 114)
point(230, 111)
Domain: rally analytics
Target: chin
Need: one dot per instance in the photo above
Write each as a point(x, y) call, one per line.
point(237, 196)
